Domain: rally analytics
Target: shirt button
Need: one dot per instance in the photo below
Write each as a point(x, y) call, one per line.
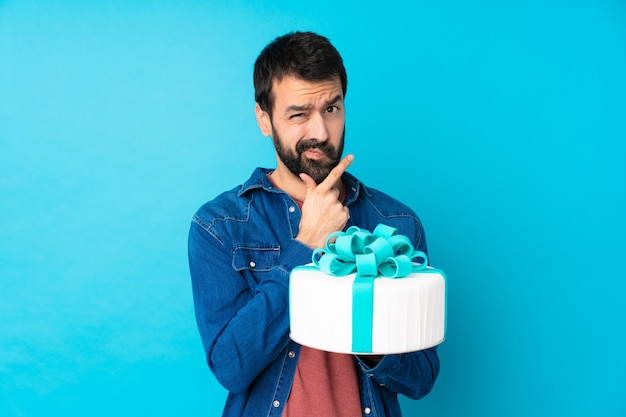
point(292, 354)
point(276, 403)
point(354, 189)
point(292, 209)
point(367, 410)
point(252, 264)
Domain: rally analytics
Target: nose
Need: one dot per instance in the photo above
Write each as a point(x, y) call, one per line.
point(317, 128)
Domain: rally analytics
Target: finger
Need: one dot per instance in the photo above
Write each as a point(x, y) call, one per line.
point(337, 172)
point(335, 192)
point(308, 181)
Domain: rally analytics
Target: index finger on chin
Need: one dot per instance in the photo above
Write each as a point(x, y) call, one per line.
point(337, 172)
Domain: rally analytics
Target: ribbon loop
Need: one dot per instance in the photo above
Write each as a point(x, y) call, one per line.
point(392, 253)
point(366, 265)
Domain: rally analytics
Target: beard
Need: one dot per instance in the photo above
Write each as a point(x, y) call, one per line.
point(297, 163)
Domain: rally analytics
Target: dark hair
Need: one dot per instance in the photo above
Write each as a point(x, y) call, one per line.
point(304, 55)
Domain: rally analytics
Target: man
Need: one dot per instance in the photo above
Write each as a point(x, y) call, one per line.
point(244, 243)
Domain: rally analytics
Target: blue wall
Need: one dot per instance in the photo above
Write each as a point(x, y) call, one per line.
point(503, 124)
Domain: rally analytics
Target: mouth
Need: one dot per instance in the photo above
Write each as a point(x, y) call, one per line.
point(314, 153)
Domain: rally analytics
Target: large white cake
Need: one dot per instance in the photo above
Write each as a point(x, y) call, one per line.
point(408, 312)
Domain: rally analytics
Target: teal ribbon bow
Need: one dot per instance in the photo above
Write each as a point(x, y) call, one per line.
point(382, 252)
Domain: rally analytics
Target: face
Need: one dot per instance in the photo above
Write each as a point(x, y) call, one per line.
point(307, 126)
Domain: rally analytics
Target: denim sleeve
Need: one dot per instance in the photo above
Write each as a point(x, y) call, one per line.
point(243, 325)
point(411, 374)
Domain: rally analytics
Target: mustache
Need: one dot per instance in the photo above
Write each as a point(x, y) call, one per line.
point(307, 144)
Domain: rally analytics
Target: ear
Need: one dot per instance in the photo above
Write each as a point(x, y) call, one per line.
point(263, 119)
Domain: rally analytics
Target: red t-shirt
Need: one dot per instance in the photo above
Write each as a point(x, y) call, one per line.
point(325, 384)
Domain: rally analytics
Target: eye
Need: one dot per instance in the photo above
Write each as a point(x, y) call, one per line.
point(296, 115)
point(332, 109)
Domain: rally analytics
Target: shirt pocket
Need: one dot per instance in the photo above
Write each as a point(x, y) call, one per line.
point(255, 258)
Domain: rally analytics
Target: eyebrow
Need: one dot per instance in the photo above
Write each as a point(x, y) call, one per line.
point(295, 108)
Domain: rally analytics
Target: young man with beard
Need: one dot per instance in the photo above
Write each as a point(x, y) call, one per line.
point(244, 243)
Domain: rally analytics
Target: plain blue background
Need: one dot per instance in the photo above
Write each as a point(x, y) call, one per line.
point(502, 123)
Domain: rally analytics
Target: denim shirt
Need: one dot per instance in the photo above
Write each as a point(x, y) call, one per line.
point(242, 248)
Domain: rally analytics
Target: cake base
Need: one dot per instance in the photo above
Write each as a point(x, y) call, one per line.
point(408, 312)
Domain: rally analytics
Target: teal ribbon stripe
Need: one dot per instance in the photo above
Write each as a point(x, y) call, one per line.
point(382, 252)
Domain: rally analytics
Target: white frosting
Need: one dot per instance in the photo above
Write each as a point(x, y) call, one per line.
point(409, 312)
